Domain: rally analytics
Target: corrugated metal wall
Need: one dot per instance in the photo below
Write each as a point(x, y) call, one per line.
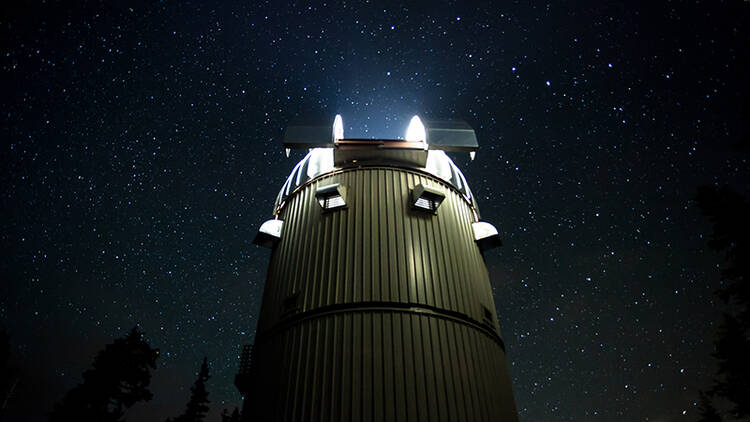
point(379, 311)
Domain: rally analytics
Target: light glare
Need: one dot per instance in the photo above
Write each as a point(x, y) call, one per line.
point(415, 132)
point(334, 202)
point(423, 203)
point(338, 128)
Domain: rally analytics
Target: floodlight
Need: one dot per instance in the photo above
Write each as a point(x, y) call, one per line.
point(269, 234)
point(486, 236)
point(330, 197)
point(424, 198)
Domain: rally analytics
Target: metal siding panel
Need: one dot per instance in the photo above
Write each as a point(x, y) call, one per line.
point(348, 370)
point(400, 369)
point(322, 400)
point(438, 362)
point(374, 208)
point(418, 250)
point(401, 264)
point(299, 254)
point(287, 403)
point(390, 269)
point(322, 250)
point(308, 363)
point(464, 379)
point(448, 269)
point(383, 246)
point(429, 367)
point(451, 384)
point(480, 378)
point(367, 367)
point(297, 388)
point(420, 375)
point(365, 223)
point(356, 280)
point(310, 275)
point(434, 268)
point(315, 359)
point(327, 279)
point(349, 264)
point(470, 376)
point(470, 251)
point(410, 371)
point(423, 222)
point(378, 357)
point(431, 285)
point(356, 385)
point(389, 355)
point(341, 280)
point(460, 280)
point(337, 373)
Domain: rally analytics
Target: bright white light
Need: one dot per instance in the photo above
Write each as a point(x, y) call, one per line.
point(272, 228)
point(483, 229)
point(334, 202)
point(415, 132)
point(338, 128)
point(423, 203)
point(439, 164)
point(320, 161)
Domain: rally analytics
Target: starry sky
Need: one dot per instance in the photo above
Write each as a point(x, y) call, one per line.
point(141, 150)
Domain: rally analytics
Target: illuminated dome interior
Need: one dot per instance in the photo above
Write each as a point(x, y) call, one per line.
point(320, 161)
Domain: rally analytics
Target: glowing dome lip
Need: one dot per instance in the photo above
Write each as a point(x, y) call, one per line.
point(338, 128)
point(416, 132)
point(320, 161)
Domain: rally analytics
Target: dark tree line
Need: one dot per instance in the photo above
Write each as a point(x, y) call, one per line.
point(197, 406)
point(730, 216)
point(118, 379)
point(8, 377)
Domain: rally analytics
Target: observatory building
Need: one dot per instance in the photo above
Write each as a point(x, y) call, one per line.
point(377, 305)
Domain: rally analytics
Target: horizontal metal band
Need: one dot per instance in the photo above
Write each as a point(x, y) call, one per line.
point(413, 308)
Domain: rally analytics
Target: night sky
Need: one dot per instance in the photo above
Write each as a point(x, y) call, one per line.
point(141, 150)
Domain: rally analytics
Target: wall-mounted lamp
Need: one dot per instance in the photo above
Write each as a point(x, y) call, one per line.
point(486, 236)
point(427, 199)
point(269, 234)
point(330, 197)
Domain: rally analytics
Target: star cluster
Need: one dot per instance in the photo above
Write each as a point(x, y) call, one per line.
point(142, 150)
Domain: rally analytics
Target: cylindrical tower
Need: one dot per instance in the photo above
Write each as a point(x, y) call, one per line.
point(377, 304)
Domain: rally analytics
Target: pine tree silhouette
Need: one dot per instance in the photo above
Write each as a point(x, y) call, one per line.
point(8, 377)
point(234, 417)
point(118, 379)
point(707, 410)
point(730, 215)
point(197, 406)
point(733, 355)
